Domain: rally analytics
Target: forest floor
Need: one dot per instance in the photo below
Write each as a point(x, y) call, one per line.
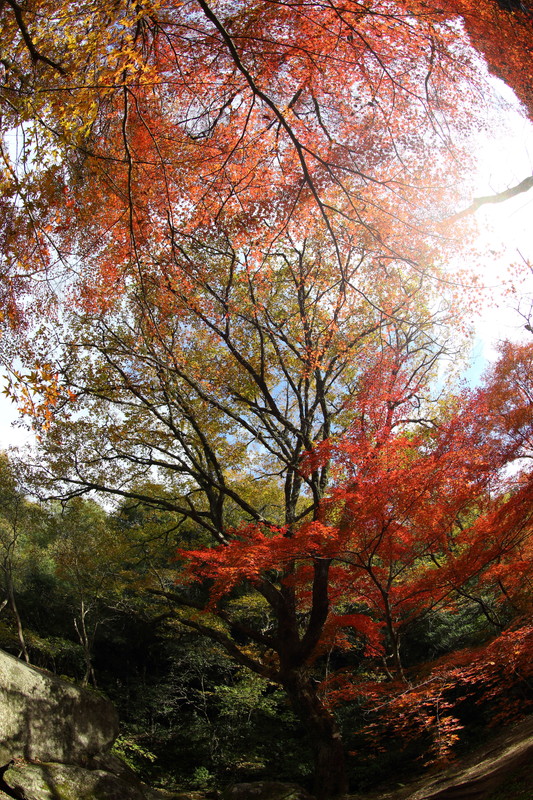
point(499, 769)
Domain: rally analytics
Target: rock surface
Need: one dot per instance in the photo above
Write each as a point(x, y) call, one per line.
point(60, 736)
point(45, 718)
point(476, 776)
point(69, 782)
point(265, 790)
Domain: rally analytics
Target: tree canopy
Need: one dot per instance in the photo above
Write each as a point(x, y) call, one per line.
point(226, 271)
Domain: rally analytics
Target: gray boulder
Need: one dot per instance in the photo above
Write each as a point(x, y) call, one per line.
point(59, 735)
point(44, 718)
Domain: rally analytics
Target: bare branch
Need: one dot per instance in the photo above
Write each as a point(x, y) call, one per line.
point(501, 197)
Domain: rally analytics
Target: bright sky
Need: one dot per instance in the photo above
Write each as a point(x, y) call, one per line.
point(10, 433)
point(507, 228)
point(505, 160)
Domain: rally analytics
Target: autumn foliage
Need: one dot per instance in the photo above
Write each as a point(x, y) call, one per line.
point(155, 127)
point(230, 220)
point(501, 31)
point(440, 699)
point(419, 519)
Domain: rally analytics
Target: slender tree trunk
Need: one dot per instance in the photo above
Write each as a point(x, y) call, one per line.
point(330, 780)
point(20, 629)
point(85, 641)
point(394, 638)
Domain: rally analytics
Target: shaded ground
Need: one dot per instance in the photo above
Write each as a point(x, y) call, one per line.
point(517, 788)
point(501, 769)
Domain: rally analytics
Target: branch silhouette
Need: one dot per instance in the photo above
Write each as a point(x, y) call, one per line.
point(501, 197)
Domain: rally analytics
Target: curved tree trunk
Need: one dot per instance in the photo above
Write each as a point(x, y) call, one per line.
point(330, 780)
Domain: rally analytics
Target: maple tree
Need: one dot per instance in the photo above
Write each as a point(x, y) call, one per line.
point(496, 676)
point(253, 130)
point(140, 125)
point(229, 214)
point(417, 516)
point(413, 523)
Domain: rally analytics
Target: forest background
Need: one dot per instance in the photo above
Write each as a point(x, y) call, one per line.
point(239, 266)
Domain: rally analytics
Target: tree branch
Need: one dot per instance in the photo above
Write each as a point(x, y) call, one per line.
point(501, 197)
point(34, 53)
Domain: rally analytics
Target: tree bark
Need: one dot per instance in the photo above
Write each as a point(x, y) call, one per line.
point(330, 780)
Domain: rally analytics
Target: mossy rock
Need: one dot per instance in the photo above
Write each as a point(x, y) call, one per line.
point(69, 782)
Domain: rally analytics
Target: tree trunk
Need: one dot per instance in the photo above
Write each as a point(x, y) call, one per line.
point(14, 608)
point(330, 780)
point(85, 642)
